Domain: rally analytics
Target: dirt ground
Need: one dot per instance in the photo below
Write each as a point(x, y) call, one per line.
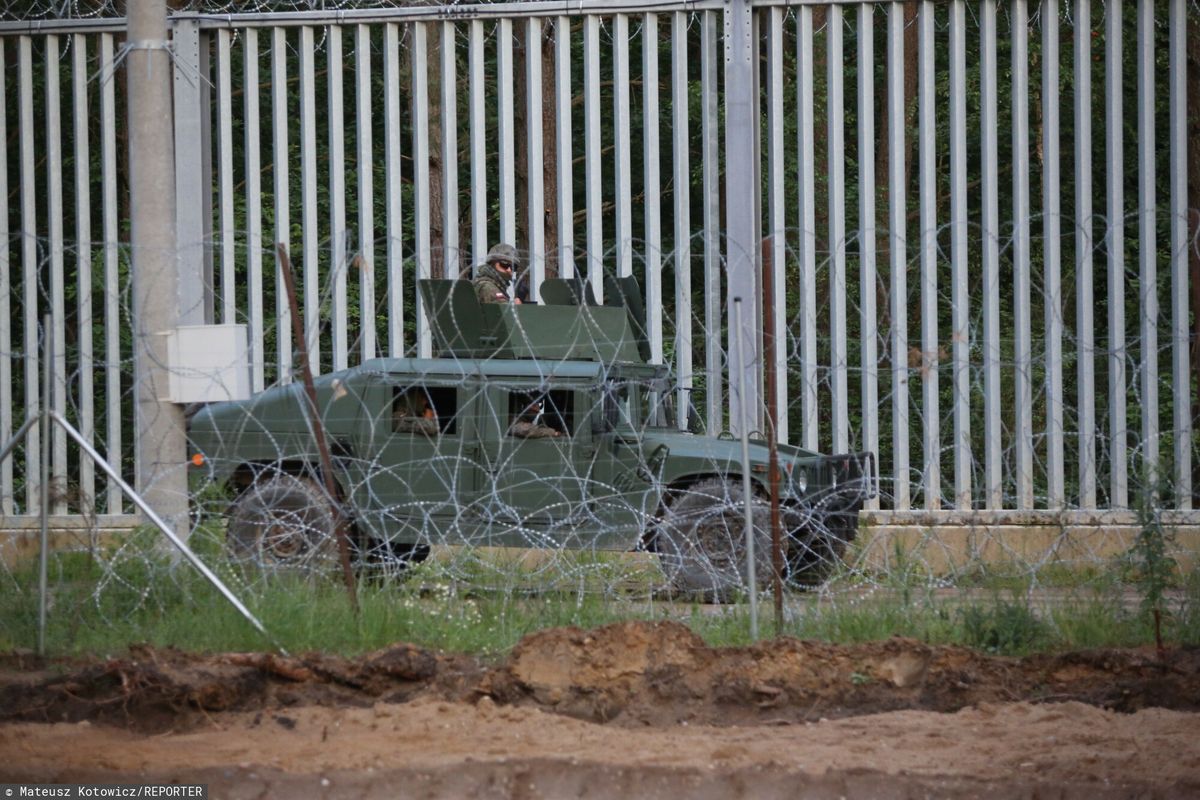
point(629, 710)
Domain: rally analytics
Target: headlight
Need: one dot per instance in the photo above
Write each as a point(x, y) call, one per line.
point(800, 480)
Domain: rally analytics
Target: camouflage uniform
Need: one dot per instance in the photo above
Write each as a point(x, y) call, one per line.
point(529, 425)
point(406, 418)
point(524, 429)
point(490, 285)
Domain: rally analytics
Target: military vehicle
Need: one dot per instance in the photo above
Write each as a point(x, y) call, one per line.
point(532, 426)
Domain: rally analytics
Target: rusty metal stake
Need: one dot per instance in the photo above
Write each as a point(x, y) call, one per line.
point(769, 345)
point(310, 391)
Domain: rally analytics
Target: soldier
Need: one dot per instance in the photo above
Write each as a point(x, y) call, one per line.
point(413, 414)
point(529, 424)
point(493, 279)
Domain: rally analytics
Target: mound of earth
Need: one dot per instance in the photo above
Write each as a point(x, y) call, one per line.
point(663, 673)
point(627, 710)
point(632, 673)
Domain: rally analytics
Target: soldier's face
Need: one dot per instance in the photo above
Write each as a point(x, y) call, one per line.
point(503, 267)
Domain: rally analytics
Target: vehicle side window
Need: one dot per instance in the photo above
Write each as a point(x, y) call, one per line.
point(431, 410)
point(541, 414)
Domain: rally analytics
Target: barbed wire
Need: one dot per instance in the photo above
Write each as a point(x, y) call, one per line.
point(481, 508)
point(464, 504)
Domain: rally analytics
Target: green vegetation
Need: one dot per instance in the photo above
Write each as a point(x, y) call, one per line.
point(134, 593)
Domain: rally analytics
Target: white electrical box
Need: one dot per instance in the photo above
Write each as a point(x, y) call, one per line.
point(208, 363)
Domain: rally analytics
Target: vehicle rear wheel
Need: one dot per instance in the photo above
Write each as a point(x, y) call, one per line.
point(283, 523)
point(702, 541)
point(816, 545)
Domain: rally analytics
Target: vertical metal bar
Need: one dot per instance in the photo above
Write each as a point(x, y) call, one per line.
point(650, 159)
point(281, 164)
point(203, 141)
point(225, 175)
point(395, 186)
point(1022, 335)
point(1085, 330)
point(746, 423)
point(479, 200)
point(835, 97)
point(742, 224)
point(112, 293)
point(1181, 380)
point(931, 416)
point(683, 213)
point(960, 322)
point(6, 383)
point(421, 210)
point(867, 232)
point(1052, 249)
point(776, 211)
point(450, 249)
point(308, 198)
point(899, 265)
point(366, 192)
point(30, 264)
point(254, 242)
point(622, 169)
point(54, 221)
point(591, 145)
point(1147, 241)
point(993, 479)
point(337, 197)
point(537, 203)
point(189, 171)
point(713, 267)
point(805, 66)
point(1115, 172)
point(508, 152)
point(562, 118)
point(83, 260)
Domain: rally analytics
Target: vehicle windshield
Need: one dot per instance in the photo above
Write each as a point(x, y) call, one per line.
point(633, 403)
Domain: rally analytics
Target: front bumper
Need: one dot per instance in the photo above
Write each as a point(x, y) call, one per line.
point(842, 483)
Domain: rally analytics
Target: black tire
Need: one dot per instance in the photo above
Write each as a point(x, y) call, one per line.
point(393, 559)
point(816, 543)
point(702, 543)
point(283, 523)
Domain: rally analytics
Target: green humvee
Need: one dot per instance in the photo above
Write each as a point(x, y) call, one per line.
point(534, 426)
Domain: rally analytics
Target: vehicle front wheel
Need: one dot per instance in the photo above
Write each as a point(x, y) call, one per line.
point(283, 523)
point(816, 545)
point(702, 541)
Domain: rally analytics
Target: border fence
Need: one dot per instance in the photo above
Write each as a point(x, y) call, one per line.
point(978, 212)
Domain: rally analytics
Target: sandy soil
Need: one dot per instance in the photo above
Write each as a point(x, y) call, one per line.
point(630, 710)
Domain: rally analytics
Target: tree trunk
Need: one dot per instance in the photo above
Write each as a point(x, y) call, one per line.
point(437, 221)
point(521, 138)
point(549, 151)
point(883, 244)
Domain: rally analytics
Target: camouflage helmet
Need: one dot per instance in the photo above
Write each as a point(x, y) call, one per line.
point(505, 253)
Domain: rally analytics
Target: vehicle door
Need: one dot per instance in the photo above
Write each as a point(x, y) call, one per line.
point(624, 489)
point(418, 471)
point(533, 489)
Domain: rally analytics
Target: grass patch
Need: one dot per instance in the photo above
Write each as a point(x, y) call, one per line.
point(132, 592)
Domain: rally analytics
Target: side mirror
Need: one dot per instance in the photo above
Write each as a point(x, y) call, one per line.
point(694, 423)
